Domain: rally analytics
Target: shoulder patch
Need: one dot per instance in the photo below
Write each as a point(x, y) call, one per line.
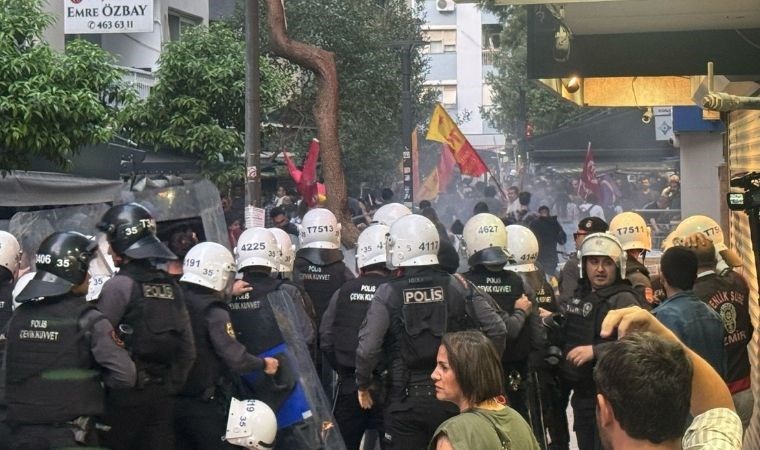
point(228, 328)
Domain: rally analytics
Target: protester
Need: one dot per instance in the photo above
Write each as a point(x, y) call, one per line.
point(549, 233)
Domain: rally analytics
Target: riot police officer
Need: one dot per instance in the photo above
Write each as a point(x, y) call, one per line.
point(146, 305)
point(602, 287)
point(636, 238)
point(10, 252)
point(406, 318)
point(339, 335)
point(485, 240)
point(60, 350)
point(284, 260)
point(569, 275)
point(199, 419)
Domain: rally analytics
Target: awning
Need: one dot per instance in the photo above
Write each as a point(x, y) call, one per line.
point(20, 188)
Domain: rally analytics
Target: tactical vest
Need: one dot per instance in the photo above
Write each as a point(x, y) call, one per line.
point(208, 367)
point(583, 323)
point(539, 289)
point(352, 304)
point(6, 304)
point(155, 314)
point(423, 310)
point(51, 376)
point(320, 278)
point(253, 318)
point(505, 287)
point(729, 297)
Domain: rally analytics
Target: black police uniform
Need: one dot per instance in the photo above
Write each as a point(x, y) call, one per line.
point(339, 337)
point(583, 323)
point(728, 295)
point(406, 319)
point(61, 335)
point(505, 287)
point(568, 280)
point(150, 305)
point(6, 310)
point(200, 414)
point(638, 275)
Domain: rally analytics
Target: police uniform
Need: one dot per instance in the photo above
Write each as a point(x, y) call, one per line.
point(339, 338)
point(149, 304)
point(6, 300)
point(200, 412)
point(406, 319)
point(638, 275)
point(505, 287)
point(60, 334)
point(728, 295)
point(583, 323)
point(568, 279)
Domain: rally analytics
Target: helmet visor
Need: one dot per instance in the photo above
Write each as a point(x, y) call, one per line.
point(149, 247)
point(44, 284)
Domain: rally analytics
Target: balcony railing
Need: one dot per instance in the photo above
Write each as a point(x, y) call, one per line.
point(488, 56)
point(141, 80)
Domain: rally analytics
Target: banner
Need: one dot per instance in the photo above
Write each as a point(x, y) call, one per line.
point(588, 182)
point(443, 129)
point(306, 179)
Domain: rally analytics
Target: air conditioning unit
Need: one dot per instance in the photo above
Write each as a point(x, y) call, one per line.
point(445, 5)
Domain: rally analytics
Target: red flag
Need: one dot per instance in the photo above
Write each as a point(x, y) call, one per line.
point(443, 129)
point(308, 184)
point(588, 182)
point(445, 168)
point(295, 174)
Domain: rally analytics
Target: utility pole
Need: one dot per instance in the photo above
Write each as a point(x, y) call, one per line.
point(406, 47)
point(252, 106)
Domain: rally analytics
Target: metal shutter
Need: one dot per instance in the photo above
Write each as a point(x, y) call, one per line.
point(744, 155)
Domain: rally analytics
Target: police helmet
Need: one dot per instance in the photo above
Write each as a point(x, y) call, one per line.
point(131, 231)
point(485, 239)
point(603, 244)
point(389, 213)
point(632, 231)
point(251, 424)
point(258, 247)
point(413, 240)
point(319, 229)
point(523, 246)
point(210, 265)
point(287, 249)
point(10, 252)
point(713, 231)
point(62, 262)
point(370, 247)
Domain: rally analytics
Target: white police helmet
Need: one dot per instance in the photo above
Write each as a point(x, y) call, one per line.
point(370, 248)
point(20, 285)
point(210, 265)
point(412, 241)
point(485, 238)
point(523, 246)
point(603, 244)
point(251, 424)
point(387, 214)
point(632, 231)
point(319, 229)
point(287, 249)
point(10, 252)
point(257, 247)
point(713, 231)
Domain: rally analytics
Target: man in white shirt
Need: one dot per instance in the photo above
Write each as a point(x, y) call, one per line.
point(648, 383)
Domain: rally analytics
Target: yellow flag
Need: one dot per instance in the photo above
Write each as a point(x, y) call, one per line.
point(429, 189)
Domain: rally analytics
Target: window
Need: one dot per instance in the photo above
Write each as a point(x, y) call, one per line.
point(487, 96)
point(440, 41)
point(179, 23)
point(449, 94)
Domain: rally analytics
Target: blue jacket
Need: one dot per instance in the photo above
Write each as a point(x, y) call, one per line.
point(697, 325)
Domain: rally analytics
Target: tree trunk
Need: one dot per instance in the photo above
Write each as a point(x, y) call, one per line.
point(322, 63)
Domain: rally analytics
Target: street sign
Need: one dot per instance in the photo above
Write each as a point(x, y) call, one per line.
point(115, 16)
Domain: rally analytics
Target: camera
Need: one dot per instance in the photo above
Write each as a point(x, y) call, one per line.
point(750, 198)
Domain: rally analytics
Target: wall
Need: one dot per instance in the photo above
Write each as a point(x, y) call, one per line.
point(701, 154)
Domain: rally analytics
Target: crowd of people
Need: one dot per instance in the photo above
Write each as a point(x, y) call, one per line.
point(444, 333)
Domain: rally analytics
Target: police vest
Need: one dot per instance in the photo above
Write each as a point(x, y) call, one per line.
point(583, 323)
point(352, 304)
point(539, 289)
point(6, 304)
point(155, 314)
point(424, 309)
point(505, 287)
point(208, 367)
point(319, 279)
point(729, 297)
point(253, 318)
point(51, 375)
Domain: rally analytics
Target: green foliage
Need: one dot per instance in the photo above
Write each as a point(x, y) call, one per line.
point(51, 104)
point(544, 109)
point(198, 104)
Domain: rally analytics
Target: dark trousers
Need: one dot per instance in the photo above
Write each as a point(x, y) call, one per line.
point(200, 424)
point(353, 421)
point(584, 419)
point(45, 437)
point(555, 398)
point(140, 419)
point(410, 422)
point(516, 377)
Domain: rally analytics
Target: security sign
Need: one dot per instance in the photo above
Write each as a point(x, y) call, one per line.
point(107, 16)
